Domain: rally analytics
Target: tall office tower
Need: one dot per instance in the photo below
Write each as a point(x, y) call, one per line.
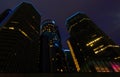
point(87, 41)
point(19, 40)
point(53, 59)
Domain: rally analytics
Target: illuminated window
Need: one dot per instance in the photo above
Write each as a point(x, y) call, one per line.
point(24, 34)
point(84, 19)
point(51, 45)
point(72, 27)
point(73, 56)
point(61, 70)
point(107, 70)
point(80, 49)
point(97, 69)
point(102, 49)
point(32, 27)
point(12, 28)
point(102, 69)
point(91, 43)
point(117, 57)
point(97, 48)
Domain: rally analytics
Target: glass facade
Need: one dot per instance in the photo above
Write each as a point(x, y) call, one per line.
point(87, 41)
point(19, 40)
point(51, 46)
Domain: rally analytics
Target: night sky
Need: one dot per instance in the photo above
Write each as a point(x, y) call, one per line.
point(105, 13)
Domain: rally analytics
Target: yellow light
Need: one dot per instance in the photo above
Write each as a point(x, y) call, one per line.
point(97, 69)
point(84, 19)
point(61, 70)
point(24, 34)
point(117, 57)
point(91, 45)
point(51, 45)
point(108, 46)
point(32, 27)
point(98, 47)
point(93, 41)
point(77, 23)
point(12, 28)
point(73, 56)
point(107, 70)
point(72, 27)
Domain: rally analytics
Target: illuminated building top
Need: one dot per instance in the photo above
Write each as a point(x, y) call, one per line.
point(49, 29)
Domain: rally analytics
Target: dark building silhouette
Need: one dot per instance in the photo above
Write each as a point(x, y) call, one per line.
point(87, 41)
point(70, 62)
point(19, 39)
point(53, 59)
point(4, 14)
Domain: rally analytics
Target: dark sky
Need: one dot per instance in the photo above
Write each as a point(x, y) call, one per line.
point(105, 13)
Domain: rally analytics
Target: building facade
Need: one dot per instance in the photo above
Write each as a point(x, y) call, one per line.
point(19, 40)
point(53, 59)
point(87, 41)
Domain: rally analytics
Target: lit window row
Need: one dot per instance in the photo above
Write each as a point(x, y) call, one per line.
point(102, 49)
point(77, 23)
point(61, 70)
point(72, 26)
point(51, 45)
point(99, 47)
point(25, 34)
point(73, 56)
point(100, 66)
point(11, 28)
point(93, 41)
point(48, 29)
point(101, 69)
point(84, 19)
point(117, 57)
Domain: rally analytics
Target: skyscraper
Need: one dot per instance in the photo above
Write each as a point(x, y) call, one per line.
point(19, 40)
point(53, 59)
point(87, 41)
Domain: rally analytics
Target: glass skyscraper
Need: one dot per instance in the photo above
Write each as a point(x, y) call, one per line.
point(19, 39)
point(87, 41)
point(53, 58)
